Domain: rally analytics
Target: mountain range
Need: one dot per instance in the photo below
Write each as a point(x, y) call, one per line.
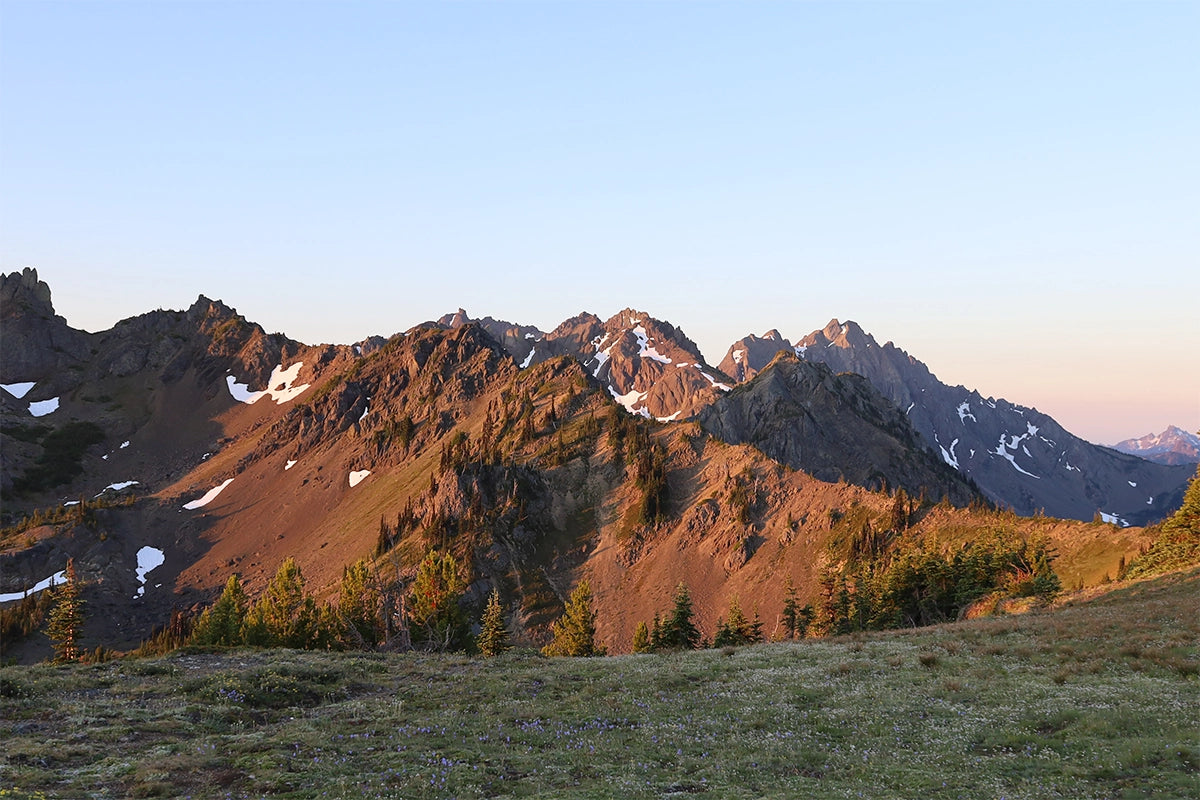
point(180, 447)
point(1172, 446)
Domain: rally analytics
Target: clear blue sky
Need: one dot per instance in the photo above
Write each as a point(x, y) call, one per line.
point(1009, 191)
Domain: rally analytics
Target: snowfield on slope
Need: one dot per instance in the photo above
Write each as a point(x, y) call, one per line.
point(209, 496)
point(280, 386)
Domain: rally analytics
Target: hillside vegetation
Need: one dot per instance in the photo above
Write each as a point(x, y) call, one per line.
point(1093, 699)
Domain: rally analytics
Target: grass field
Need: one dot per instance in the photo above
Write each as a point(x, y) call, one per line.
point(1096, 699)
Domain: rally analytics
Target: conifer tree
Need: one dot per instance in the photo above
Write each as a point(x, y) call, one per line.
point(641, 639)
point(284, 616)
point(436, 621)
point(678, 631)
point(359, 605)
point(493, 636)
point(66, 618)
point(575, 631)
point(222, 623)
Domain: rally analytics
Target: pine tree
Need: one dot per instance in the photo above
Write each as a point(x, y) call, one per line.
point(678, 631)
point(221, 624)
point(493, 636)
point(436, 621)
point(641, 639)
point(66, 619)
point(575, 631)
point(284, 616)
point(359, 605)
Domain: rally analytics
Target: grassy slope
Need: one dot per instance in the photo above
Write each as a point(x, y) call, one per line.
point(1092, 699)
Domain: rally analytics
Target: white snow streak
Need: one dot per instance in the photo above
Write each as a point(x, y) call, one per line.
point(18, 390)
point(964, 411)
point(1132, 483)
point(208, 497)
point(357, 476)
point(289, 465)
point(1002, 451)
point(737, 356)
point(53, 580)
point(529, 358)
point(713, 381)
point(949, 456)
point(1113, 519)
point(116, 487)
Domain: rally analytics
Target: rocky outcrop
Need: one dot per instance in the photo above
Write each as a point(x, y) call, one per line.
point(38, 343)
point(835, 427)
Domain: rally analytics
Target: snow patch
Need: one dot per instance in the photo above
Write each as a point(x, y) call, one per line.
point(279, 386)
point(43, 407)
point(1132, 483)
point(948, 456)
point(289, 465)
point(644, 348)
point(148, 558)
point(737, 356)
point(18, 390)
point(1113, 519)
point(116, 487)
point(53, 580)
point(671, 418)
point(601, 359)
point(1002, 451)
point(529, 358)
point(123, 445)
point(964, 411)
point(800, 349)
point(910, 407)
point(629, 400)
point(357, 476)
point(723, 387)
point(1149, 501)
point(209, 496)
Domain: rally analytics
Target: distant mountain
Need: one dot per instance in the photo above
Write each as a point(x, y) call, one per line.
point(648, 366)
point(1172, 446)
point(1020, 458)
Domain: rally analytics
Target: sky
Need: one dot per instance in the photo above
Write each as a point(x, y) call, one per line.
point(1008, 191)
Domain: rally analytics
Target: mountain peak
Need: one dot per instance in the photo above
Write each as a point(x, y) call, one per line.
point(1173, 446)
point(26, 289)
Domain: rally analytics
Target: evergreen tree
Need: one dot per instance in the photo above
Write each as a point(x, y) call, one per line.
point(737, 630)
point(359, 621)
point(641, 639)
point(66, 618)
point(284, 616)
point(678, 631)
point(222, 623)
point(436, 621)
point(575, 631)
point(493, 636)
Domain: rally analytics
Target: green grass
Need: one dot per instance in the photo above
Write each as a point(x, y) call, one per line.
point(1098, 699)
